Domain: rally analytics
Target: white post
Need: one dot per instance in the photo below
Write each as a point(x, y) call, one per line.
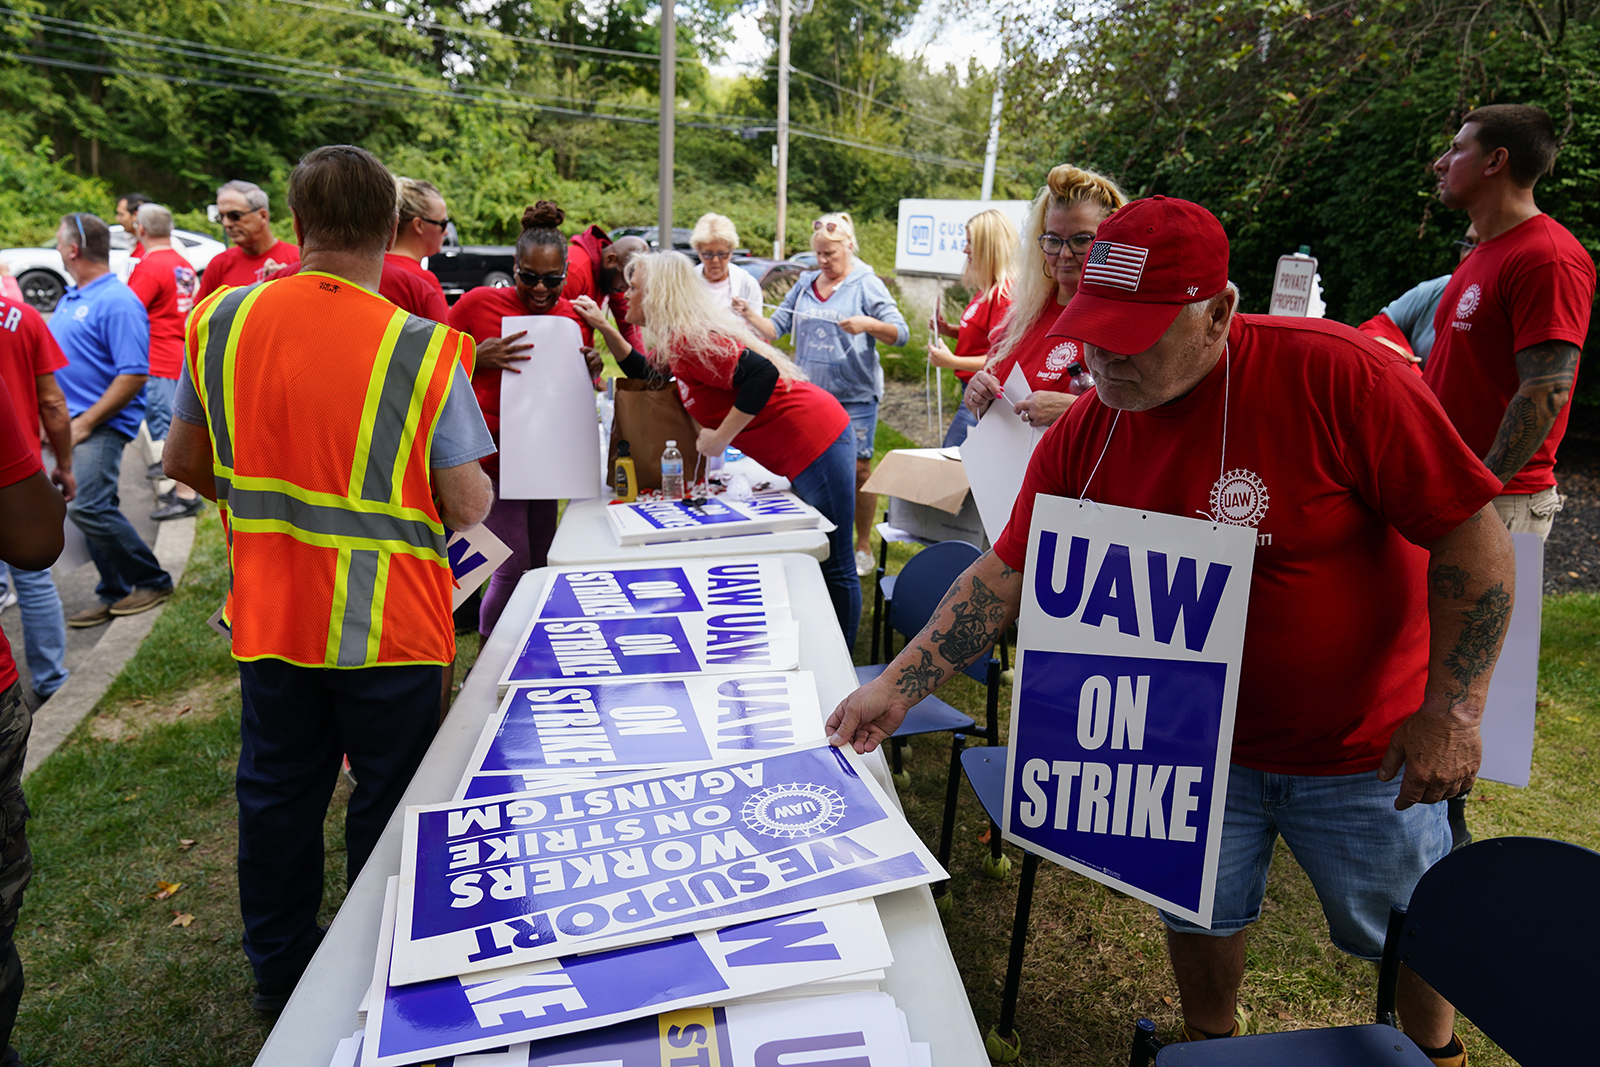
point(993, 148)
point(669, 94)
point(783, 127)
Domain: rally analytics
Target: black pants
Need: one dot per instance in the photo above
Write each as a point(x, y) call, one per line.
point(297, 723)
point(16, 859)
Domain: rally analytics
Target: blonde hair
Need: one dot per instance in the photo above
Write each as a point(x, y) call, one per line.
point(713, 227)
point(992, 237)
point(413, 195)
point(685, 322)
point(844, 229)
point(1034, 289)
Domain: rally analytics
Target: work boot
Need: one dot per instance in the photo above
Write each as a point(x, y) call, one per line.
point(138, 601)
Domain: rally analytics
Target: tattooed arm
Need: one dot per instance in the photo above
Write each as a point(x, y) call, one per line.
point(1471, 584)
point(1547, 372)
point(980, 604)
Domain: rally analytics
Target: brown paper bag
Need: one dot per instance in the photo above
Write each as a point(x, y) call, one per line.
point(647, 415)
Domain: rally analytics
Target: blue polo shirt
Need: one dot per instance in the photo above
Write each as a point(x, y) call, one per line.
point(104, 331)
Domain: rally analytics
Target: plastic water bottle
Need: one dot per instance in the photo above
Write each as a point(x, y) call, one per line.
point(672, 472)
point(1081, 380)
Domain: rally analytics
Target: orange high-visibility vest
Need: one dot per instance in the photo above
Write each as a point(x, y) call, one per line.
point(322, 399)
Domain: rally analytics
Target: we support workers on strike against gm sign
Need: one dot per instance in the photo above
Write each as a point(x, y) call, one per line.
point(1128, 650)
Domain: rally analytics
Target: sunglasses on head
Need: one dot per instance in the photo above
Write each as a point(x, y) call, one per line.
point(533, 279)
point(820, 225)
point(82, 240)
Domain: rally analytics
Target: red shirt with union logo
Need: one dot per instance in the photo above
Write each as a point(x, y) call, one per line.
point(981, 319)
point(1533, 283)
point(1344, 464)
point(1044, 359)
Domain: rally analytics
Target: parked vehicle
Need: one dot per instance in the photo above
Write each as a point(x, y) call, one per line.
point(44, 279)
point(461, 267)
point(652, 237)
point(775, 276)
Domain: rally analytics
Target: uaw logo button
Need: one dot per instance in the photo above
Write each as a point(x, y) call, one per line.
point(1061, 355)
point(1239, 498)
point(793, 810)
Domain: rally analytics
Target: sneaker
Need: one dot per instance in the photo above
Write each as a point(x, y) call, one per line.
point(154, 472)
point(139, 600)
point(864, 563)
point(270, 998)
point(95, 616)
point(178, 509)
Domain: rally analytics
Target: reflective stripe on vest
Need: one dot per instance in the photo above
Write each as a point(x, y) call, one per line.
point(368, 525)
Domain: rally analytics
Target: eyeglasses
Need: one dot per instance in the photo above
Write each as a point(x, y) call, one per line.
point(1052, 245)
point(707, 257)
point(443, 223)
point(216, 214)
point(1466, 245)
point(533, 279)
point(820, 225)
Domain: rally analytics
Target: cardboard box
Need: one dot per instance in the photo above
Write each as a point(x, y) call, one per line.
point(928, 494)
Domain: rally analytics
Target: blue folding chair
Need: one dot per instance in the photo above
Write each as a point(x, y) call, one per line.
point(1496, 928)
point(922, 584)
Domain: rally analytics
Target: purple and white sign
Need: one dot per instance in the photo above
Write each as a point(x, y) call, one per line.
point(648, 646)
point(651, 522)
point(474, 554)
point(1128, 651)
point(541, 732)
point(444, 1016)
point(667, 589)
point(488, 884)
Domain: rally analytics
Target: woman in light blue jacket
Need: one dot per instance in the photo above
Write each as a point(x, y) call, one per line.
point(838, 314)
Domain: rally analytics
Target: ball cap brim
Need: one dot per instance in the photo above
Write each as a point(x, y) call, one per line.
point(1148, 260)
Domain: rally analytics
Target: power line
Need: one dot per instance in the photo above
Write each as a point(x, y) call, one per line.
point(875, 101)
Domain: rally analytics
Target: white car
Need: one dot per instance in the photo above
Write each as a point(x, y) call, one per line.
point(43, 278)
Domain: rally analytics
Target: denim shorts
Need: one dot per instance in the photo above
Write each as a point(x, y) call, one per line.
point(864, 422)
point(1360, 854)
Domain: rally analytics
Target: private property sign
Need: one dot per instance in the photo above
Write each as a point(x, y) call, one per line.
point(1291, 287)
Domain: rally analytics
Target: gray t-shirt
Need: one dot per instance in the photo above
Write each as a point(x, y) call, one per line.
point(460, 437)
point(1413, 310)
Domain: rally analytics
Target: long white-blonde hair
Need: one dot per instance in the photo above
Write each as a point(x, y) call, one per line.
point(1033, 290)
point(685, 321)
point(992, 239)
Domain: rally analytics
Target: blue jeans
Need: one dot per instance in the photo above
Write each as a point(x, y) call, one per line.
point(44, 628)
point(124, 560)
point(863, 426)
point(1360, 854)
point(158, 396)
point(829, 485)
point(961, 425)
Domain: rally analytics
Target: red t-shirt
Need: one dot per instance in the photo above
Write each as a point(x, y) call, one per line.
point(401, 288)
point(418, 271)
point(796, 425)
point(27, 350)
point(478, 313)
point(233, 267)
point(1044, 359)
point(165, 283)
point(1353, 464)
point(982, 317)
point(1533, 283)
point(18, 460)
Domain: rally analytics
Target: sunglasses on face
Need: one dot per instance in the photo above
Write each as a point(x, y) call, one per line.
point(216, 214)
point(441, 223)
point(533, 279)
point(1052, 245)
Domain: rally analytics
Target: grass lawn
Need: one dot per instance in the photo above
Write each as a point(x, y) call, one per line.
point(142, 794)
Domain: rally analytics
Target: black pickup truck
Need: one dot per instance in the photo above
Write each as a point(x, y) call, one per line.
point(461, 267)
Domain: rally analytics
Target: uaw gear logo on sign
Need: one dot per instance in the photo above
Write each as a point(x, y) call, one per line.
point(1239, 498)
point(793, 810)
point(1469, 301)
point(1061, 356)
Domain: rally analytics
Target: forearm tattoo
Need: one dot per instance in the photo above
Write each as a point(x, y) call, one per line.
point(1448, 582)
point(918, 680)
point(975, 623)
point(1546, 373)
point(1478, 645)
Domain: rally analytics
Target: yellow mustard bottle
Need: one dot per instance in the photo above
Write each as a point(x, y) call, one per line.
point(626, 481)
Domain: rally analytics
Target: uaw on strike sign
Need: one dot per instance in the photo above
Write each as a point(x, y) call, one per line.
point(1128, 650)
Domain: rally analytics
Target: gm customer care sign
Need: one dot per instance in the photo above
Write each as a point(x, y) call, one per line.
point(490, 883)
point(1128, 651)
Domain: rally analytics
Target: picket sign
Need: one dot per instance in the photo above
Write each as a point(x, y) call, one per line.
point(474, 554)
point(555, 731)
point(1508, 710)
point(426, 1020)
point(663, 589)
point(736, 640)
point(1128, 651)
point(486, 884)
point(653, 522)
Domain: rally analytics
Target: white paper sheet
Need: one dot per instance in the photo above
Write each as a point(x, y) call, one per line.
point(547, 415)
point(995, 455)
point(1508, 710)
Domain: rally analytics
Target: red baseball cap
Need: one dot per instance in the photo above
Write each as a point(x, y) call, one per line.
point(1148, 260)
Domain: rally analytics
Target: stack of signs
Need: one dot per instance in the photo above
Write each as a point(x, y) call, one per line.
point(653, 522)
point(696, 617)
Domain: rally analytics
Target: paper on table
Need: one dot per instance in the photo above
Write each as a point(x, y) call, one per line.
point(1513, 688)
point(547, 415)
point(995, 455)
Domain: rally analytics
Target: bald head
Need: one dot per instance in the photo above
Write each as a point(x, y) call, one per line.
point(614, 262)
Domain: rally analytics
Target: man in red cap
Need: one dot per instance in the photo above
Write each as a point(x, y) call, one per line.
point(1374, 529)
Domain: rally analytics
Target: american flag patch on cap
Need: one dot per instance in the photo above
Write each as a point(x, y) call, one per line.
point(1115, 264)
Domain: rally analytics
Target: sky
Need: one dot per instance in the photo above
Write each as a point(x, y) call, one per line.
point(940, 45)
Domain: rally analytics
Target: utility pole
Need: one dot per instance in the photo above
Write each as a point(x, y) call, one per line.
point(993, 148)
point(783, 127)
point(669, 115)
